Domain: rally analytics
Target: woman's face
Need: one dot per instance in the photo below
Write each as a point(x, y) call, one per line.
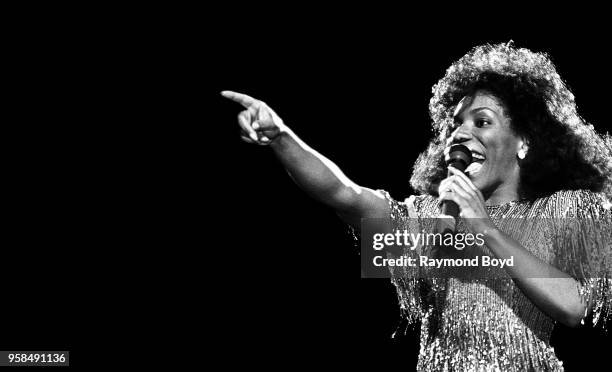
point(485, 129)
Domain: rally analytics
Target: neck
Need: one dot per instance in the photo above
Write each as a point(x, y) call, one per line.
point(504, 193)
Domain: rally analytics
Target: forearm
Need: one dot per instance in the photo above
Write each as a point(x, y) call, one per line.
point(314, 173)
point(551, 290)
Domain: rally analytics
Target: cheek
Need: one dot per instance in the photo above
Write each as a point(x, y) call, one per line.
point(504, 157)
point(509, 153)
point(500, 158)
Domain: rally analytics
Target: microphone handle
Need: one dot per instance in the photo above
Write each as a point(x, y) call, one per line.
point(450, 208)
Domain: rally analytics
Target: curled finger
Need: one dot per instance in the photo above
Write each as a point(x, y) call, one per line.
point(247, 139)
point(244, 119)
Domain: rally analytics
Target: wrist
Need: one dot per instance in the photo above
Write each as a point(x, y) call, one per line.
point(281, 139)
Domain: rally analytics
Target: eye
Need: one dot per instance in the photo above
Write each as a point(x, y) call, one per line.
point(482, 122)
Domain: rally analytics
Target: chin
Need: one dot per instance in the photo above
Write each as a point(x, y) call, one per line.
point(478, 185)
point(478, 180)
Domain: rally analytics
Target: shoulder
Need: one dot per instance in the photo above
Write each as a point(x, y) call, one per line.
point(578, 203)
point(426, 206)
point(413, 206)
point(396, 208)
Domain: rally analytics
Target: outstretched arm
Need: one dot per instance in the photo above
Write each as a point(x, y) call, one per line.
point(312, 172)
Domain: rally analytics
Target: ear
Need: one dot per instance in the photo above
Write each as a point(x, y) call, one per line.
point(523, 145)
point(523, 148)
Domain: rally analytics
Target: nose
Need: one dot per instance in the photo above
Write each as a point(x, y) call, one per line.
point(460, 135)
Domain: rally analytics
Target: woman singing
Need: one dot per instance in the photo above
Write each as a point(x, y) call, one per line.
point(534, 160)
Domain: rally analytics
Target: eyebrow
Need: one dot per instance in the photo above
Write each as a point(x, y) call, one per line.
point(481, 108)
point(474, 110)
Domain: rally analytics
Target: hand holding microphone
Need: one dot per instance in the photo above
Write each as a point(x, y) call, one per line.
point(459, 157)
point(459, 196)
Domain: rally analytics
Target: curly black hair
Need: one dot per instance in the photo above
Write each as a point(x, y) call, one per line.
point(565, 153)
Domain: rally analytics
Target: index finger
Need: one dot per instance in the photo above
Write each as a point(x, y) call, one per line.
point(243, 99)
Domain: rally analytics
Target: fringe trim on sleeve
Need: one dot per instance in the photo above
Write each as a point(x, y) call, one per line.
point(406, 281)
point(598, 293)
point(586, 247)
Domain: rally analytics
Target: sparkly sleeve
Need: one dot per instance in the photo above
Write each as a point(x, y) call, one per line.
point(405, 279)
point(587, 251)
point(406, 282)
point(399, 214)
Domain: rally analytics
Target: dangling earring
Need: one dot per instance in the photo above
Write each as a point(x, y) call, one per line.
point(521, 154)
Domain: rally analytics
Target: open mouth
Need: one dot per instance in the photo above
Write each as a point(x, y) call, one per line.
point(477, 157)
point(477, 160)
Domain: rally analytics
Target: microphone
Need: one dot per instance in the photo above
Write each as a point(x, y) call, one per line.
point(459, 157)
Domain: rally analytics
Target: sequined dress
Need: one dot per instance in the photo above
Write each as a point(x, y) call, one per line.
point(488, 324)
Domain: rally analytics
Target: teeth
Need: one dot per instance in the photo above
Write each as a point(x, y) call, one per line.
point(473, 168)
point(477, 156)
